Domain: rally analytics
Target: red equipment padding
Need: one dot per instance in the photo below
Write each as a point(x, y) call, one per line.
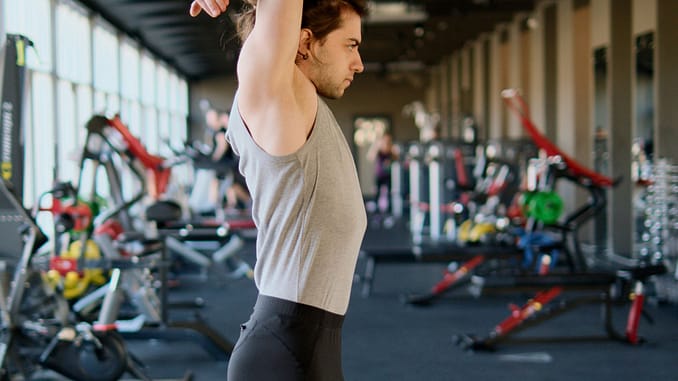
point(462, 176)
point(634, 315)
point(451, 278)
point(496, 186)
point(544, 264)
point(520, 314)
point(64, 265)
point(157, 173)
point(80, 213)
point(422, 206)
point(98, 327)
point(112, 228)
point(518, 105)
point(240, 224)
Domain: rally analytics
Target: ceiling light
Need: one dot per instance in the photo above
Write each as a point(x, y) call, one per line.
point(532, 23)
point(395, 12)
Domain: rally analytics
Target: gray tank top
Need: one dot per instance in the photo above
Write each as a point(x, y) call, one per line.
point(309, 212)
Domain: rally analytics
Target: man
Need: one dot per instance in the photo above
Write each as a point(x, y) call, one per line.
point(307, 203)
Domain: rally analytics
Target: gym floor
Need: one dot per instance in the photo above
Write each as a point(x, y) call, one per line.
point(385, 339)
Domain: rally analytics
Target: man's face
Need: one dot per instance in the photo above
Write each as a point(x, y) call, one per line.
point(337, 58)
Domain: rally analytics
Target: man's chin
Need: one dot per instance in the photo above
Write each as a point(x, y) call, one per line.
point(332, 95)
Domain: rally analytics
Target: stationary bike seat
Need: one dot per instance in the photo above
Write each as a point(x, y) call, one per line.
point(163, 211)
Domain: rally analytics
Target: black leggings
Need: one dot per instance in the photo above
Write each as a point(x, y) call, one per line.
point(287, 341)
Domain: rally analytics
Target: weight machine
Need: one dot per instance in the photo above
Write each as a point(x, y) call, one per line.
point(109, 140)
point(590, 283)
point(442, 190)
point(38, 330)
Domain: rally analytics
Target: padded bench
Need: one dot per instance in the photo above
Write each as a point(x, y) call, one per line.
point(442, 252)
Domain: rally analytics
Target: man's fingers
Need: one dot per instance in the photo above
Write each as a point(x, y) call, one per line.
point(195, 9)
point(213, 7)
point(223, 4)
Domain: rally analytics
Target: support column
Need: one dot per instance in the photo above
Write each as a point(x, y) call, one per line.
point(431, 101)
point(583, 99)
point(535, 91)
point(583, 82)
point(443, 98)
point(479, 85)
point(478, 105)
point(565, 86)
point(515, 63)
point(494, 88)
point(455, 94)
point(550, 71)
point(525, 62)
point(600, 43)
point(466, 76)
point(620, 230)
point(666, 81)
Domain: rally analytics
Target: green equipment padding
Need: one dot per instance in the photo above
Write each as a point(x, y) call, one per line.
point(545, 207)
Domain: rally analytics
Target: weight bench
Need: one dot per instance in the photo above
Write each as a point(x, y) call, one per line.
point(583, 289)
point(469, 256)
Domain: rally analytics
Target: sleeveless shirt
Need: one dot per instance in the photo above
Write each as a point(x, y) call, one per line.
point(309, 213)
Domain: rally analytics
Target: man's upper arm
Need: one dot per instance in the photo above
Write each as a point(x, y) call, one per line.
point(267, 100)
point(267, 58)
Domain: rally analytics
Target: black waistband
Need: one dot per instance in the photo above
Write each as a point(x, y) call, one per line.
point(266, 305)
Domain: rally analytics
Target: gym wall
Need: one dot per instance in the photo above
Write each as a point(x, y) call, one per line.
point(554, 48)
point(371, 94)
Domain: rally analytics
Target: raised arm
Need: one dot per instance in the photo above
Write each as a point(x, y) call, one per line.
point(276, 101)
point(266, 61)
point(267, 57)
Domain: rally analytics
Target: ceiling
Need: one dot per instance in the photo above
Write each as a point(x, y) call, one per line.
point(204, 47)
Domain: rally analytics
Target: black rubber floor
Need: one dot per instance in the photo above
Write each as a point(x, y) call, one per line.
point(385, 339)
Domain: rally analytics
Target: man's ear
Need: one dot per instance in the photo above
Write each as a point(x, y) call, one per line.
point(305, 39)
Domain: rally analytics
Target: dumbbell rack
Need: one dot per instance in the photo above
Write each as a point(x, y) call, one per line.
point(659, 232)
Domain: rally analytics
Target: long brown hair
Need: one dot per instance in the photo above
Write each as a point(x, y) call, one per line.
point(320, 16)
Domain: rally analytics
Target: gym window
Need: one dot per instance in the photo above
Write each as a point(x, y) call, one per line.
point(81, 66)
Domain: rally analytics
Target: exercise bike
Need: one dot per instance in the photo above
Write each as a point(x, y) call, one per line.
point(162, 214)
point(110, 145)
point(38, 329)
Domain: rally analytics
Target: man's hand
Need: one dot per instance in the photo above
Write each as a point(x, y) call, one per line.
point(213, 7)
